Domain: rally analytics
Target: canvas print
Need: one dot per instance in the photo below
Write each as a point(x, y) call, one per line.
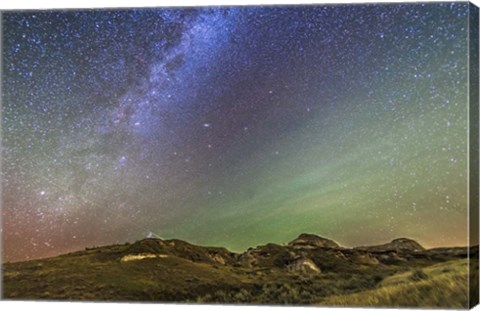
point(321, 155)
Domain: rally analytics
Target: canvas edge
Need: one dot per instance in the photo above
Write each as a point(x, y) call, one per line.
point(1, 157)
point(473, 83)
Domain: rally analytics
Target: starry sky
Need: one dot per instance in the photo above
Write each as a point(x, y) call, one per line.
point(234, 126)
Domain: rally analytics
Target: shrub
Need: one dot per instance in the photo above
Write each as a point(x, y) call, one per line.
point(418, 275)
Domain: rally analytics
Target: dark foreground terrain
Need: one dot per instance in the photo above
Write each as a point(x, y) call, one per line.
point(309, 270)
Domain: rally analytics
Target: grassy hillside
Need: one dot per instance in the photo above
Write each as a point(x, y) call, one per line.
point(444, 284)
point(174, 270)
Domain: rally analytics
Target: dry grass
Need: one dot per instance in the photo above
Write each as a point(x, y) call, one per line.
point(441, 285)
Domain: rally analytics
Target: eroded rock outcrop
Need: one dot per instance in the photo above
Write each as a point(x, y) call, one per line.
point(310, 241)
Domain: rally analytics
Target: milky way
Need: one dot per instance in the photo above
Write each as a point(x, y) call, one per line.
point(234, 126)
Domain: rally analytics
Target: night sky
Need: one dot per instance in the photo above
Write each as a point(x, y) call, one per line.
point(234, 126)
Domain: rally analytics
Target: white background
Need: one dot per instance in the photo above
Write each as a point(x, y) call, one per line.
point(49, 4)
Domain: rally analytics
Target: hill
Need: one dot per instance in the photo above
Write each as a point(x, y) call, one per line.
point(401, 244)
point(308, 270)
